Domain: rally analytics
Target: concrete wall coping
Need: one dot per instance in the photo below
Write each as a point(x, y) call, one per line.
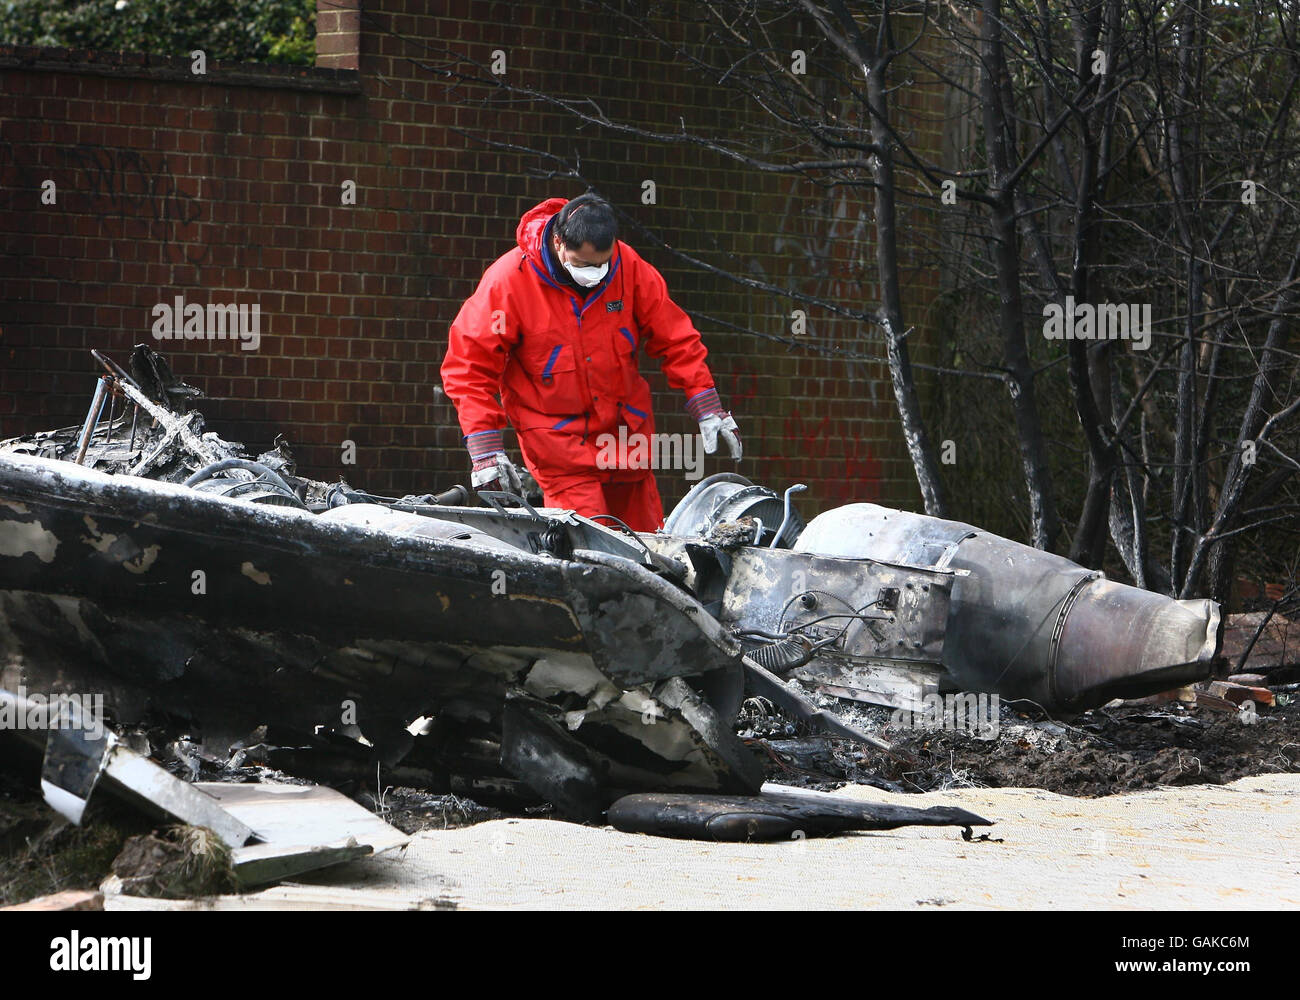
point(145, 66)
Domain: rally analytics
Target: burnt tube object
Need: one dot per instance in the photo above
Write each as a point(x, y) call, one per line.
point(771, 816)
point(1028, 624)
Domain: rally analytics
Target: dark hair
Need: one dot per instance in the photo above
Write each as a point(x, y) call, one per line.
point(587, 219)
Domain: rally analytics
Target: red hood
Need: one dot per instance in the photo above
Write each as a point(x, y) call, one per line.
point(531, 226)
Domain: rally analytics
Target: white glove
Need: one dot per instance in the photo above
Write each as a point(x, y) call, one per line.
point(496, 469)
point(724, 422)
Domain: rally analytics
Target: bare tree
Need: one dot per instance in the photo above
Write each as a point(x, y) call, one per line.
point(836, 135)
point(1135, 153)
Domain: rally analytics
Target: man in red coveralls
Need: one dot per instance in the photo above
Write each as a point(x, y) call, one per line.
point(554, 327)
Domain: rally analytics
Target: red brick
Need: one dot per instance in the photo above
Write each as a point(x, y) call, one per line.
point(360, 297)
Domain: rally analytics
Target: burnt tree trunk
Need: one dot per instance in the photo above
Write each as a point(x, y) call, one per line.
point(873, 61)
point(1044, 520)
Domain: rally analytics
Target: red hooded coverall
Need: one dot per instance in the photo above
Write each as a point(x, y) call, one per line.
point(566, 368)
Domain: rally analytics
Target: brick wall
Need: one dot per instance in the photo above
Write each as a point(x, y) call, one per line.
point(227, 188)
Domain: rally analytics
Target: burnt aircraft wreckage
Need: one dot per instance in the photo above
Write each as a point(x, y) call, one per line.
point(523, 652)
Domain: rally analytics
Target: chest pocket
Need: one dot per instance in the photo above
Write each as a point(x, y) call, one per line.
point(558, 386)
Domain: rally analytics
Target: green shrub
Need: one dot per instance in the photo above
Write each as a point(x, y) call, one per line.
point(231, 31)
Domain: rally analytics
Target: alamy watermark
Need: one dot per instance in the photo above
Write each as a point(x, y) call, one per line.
point(965, 712)
point(675, 452)
point(92, 953)
point(1103, 321)
point(39, 712)
point(181, 320)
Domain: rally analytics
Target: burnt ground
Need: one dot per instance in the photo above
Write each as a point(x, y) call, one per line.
point(1122, 750)
point(1102, 752)
point(413, 811)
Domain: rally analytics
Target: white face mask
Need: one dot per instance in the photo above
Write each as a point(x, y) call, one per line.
point(587, 277)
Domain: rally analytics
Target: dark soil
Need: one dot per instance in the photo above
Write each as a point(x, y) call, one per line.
point(1101, 752)
point(41, 853)
point(412, 810)
point(175, 863)
point(1126, 749)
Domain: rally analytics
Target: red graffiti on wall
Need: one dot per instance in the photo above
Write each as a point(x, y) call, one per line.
point(834, 452)
point(742, 385)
